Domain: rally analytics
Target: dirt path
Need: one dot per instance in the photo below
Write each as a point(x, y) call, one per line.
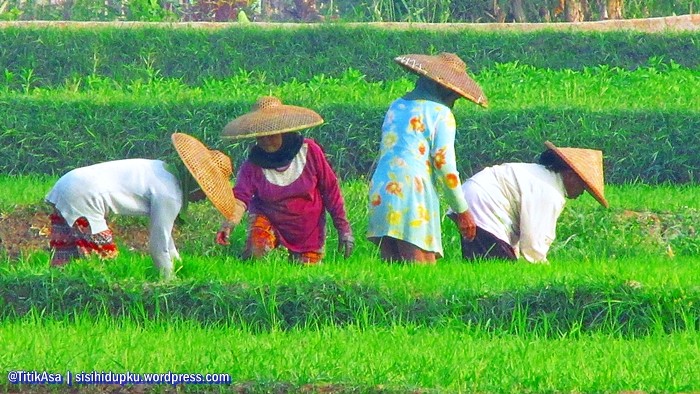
point(650, 25)
point(27, 229)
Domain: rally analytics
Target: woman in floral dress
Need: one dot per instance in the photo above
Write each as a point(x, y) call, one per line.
point(416, 155)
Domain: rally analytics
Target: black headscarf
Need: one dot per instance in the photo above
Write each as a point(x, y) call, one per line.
point(291, 144)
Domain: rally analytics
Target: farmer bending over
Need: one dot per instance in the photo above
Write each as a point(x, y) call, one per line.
point(516, 205)
point(84, 197)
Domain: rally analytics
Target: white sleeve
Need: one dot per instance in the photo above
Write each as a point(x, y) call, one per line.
point(539, 213)
point(164, 211)
point(174, 254)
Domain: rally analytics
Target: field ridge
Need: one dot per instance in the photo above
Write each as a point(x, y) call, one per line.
point(612, 306)
point(675, 23)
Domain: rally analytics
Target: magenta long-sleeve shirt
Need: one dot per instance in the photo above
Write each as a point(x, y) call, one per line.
point(295, 198)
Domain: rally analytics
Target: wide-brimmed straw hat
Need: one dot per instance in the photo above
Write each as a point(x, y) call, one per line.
point(210, 168)
point(270, 116)
point(448, 70)
point(588, 165)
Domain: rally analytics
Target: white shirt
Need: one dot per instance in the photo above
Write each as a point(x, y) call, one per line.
point(137, 187)
point(520, 204)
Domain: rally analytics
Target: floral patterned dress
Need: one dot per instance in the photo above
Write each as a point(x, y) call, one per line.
point(417, 154)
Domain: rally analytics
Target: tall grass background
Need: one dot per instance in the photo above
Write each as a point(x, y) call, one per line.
point(646, 137)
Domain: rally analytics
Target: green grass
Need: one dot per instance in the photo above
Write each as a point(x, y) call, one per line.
point(613, 311)
point(397, 358)
point(23, 190)
point(507, 85)
point(451, 274)
point(550, 305)
point(645, 136)
point(31, 189)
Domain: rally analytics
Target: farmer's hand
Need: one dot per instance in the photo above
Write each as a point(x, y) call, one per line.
point(224, 233)
point(466, 225)
point(346, 244)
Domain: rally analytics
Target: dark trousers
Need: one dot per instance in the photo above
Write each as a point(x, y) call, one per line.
point(486, 246)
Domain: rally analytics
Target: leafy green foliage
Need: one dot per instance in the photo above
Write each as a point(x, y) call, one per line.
point(645, 137)
point(282, 54)
point(356, 360)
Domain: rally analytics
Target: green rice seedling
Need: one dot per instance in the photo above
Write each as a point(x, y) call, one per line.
point(363, 289)
point(8, 80)
point(28, 80)
point(451, 274)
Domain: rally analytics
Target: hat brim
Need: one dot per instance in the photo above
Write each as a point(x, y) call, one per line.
point(208, 175)
point(457, 81)
point(593, 183)
point(270, 121)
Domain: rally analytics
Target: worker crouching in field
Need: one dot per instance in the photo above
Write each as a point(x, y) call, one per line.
point(287, 185)
point(516, 205)
point(83, 197)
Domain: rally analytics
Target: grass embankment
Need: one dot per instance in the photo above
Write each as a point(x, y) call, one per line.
point(549, 302)
point(45, 56)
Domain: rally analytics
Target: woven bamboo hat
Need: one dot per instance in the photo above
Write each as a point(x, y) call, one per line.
point(448, 70)
point(588, 165)
point(210, 168)
point(270, 116)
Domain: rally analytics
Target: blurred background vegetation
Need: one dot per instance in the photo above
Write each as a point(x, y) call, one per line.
point(432, 11)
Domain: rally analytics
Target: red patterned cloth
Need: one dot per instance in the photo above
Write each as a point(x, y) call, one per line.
point(263, 238)
point(76, 241)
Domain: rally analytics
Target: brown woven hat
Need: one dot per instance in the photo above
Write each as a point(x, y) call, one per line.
point(588, 165)
point(210, 168)
point(448, 70)
point(270, 116)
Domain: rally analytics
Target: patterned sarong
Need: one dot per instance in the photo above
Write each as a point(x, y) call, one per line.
point(262, 238)
point(76, 241)
point(486, 246)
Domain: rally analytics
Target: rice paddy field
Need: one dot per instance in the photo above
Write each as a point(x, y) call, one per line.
point(616, 310)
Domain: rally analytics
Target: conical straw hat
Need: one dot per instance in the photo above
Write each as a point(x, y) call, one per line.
point(448, 70)
point(270, 116)
point(210, 168)
point(588, 165)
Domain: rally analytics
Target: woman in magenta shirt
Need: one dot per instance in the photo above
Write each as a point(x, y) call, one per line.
point(286, 184)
